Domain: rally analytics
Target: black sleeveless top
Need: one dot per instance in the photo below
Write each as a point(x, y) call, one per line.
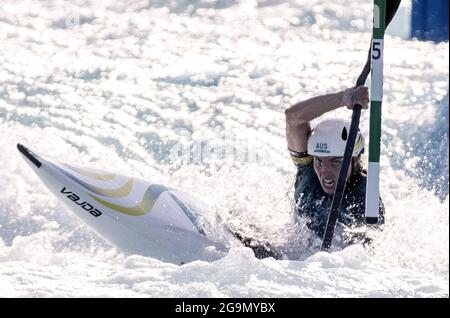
point(314, 204)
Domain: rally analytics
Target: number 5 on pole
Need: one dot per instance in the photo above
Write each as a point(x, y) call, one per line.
point(376, 97)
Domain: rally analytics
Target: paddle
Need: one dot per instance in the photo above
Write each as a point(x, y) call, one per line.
point(390, 7)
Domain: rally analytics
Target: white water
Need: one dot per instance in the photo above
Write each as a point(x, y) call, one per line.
point(118, 84)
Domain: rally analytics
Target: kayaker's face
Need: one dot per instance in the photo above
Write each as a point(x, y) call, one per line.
point(327, 170)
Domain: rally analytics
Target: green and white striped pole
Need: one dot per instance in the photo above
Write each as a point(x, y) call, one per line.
point(376, 97)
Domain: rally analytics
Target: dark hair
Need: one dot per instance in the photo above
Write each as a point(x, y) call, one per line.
point(358, 165)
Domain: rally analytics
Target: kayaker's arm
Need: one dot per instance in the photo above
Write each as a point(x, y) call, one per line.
point(299, 115)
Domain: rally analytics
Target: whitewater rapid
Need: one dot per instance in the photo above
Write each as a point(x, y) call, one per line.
point(129, 85)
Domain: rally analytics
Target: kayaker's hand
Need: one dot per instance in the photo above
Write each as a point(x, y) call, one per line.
point(353, 96)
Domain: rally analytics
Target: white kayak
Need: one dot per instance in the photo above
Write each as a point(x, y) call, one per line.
point(136, 216)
